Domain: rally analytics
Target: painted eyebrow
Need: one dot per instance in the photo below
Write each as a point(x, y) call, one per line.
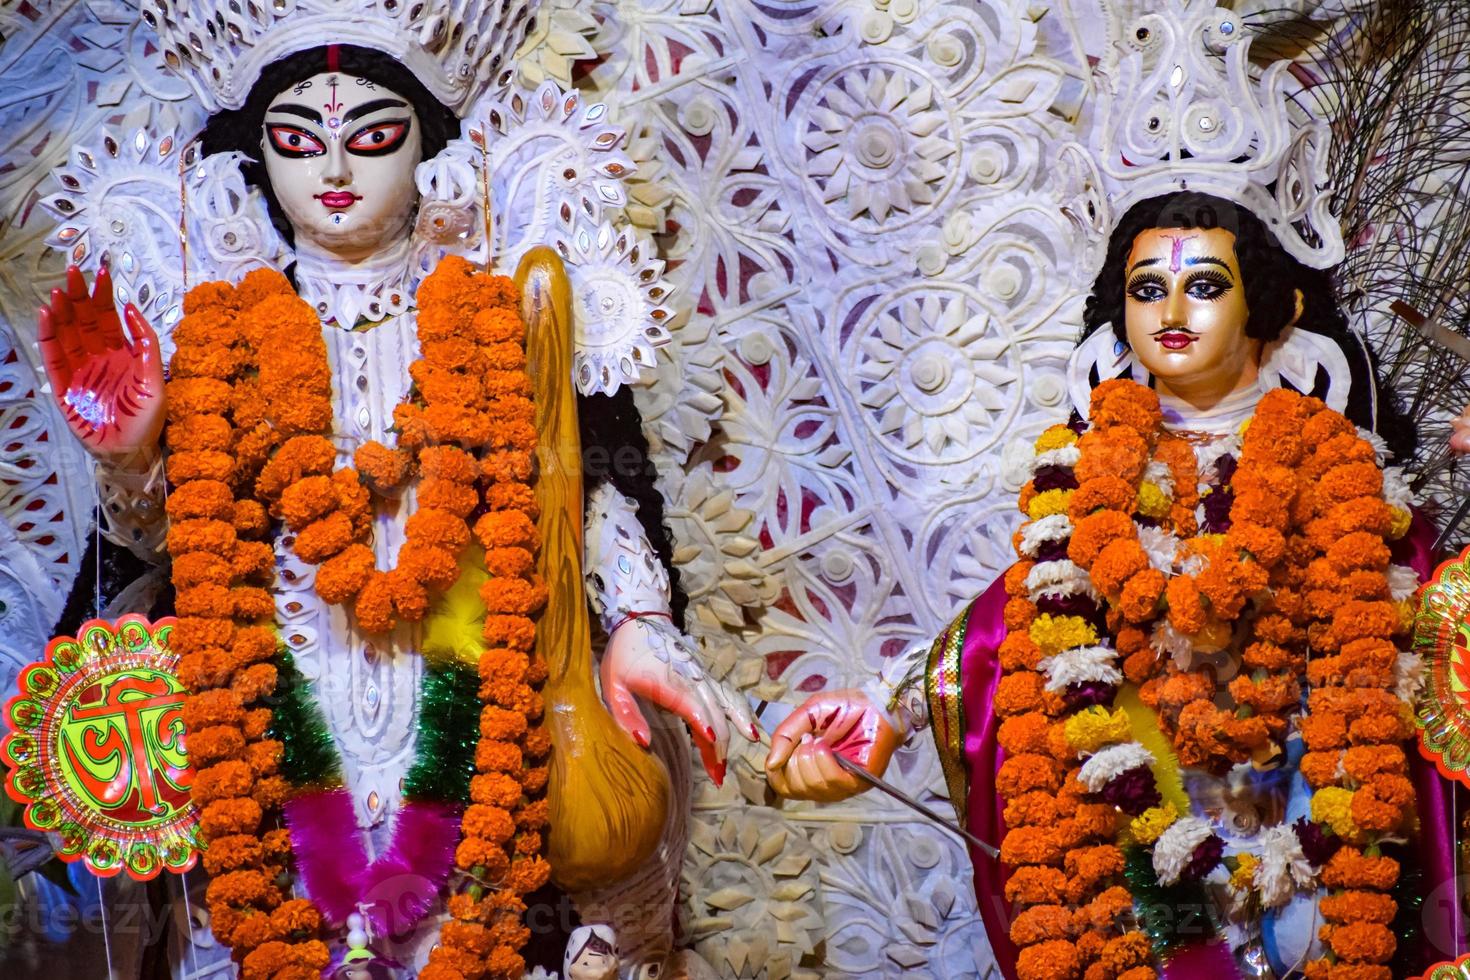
point(1194, 260)
point(370, 107)
point(1207, 260)
point(292, 109)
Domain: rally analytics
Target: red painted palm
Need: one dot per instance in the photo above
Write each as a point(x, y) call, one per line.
point(108, 384)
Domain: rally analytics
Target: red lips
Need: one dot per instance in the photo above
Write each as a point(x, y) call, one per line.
point(1175, 339)
point(339, 199)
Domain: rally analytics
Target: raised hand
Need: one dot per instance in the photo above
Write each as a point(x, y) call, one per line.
point(802, 763)
point(649, 657)
point(109, 385)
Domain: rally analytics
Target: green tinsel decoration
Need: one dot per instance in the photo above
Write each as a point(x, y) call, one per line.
point(448, 731)
point(1171, 916)
point(309, 755)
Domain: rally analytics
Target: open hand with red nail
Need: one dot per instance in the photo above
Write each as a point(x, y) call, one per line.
point(648, 657)
point(803, 765)
point(109, 384)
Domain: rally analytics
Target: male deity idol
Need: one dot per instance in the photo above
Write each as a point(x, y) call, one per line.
point(1183, 715)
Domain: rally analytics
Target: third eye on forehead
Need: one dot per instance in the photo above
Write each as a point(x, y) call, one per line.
point(356, 112)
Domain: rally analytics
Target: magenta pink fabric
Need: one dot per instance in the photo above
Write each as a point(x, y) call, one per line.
point(979, 675)
point(1444, 936)
point(1212, 960)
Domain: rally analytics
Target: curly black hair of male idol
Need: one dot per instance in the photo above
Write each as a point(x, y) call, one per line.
point(1270, 277)
point(614, 447)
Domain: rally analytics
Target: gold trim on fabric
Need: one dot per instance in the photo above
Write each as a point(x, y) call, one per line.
point(947, 711)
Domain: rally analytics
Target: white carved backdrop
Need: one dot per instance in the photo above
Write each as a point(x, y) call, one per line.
point(876, 292)
point(862, 218)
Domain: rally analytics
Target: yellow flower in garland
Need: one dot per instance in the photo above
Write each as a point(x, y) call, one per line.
point(1047, 503)
point(1333, 806)
point(1057, 633)
point(1244, 875)
point(1096, 727)
point(1408, 610)
point(1153, 502)
point(1401, 521)
point(1056, 437)
point(1148, 825)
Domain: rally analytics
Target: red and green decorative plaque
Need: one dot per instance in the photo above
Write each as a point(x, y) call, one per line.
point(96, 749)
point(1442, 638)
point(1458, 970)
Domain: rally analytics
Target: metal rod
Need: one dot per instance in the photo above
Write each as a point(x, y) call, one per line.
point(914, 804)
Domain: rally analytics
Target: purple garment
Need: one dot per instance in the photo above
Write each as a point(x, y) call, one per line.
point(979, 676)
point(1443, 935)
point(1200, 960)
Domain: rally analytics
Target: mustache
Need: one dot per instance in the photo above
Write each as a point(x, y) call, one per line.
point(1163, 330)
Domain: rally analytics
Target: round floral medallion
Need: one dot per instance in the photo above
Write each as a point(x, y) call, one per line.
point(879, 145)
point(96, 749)
point(933, 378)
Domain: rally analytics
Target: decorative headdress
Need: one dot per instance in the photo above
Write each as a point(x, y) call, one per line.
point(1178, 110)
point(457, 50)
point(552, 163)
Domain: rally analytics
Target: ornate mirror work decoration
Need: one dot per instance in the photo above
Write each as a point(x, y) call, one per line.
point(96, 747)
point(1442, 637)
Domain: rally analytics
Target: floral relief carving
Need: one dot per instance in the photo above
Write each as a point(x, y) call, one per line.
point(878, 145)
point(870, 292)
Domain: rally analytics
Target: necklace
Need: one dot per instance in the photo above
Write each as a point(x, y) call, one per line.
point(379, 286)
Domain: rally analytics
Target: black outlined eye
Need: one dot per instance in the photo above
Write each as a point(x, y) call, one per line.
point(290, 141)
point(1208, 287)
point(1147, 291)
point(379, 138)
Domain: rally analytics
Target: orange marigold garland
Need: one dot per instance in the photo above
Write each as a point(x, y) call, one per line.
point(1355, 760)
point(1099, 508)
point(247, 437)
point(226, 644)
point(501, 849)
point(1235, 561)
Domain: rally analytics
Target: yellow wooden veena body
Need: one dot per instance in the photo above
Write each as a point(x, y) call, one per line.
point(608, 797)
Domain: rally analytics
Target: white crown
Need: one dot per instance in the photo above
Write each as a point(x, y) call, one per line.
point(1179, 110)
point(456, 48)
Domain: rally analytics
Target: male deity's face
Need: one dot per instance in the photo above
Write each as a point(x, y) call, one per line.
point(1185, 309)
point(340, 152)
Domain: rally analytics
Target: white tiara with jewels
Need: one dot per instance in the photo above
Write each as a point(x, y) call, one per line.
point(458, 49)
point(1178, 109)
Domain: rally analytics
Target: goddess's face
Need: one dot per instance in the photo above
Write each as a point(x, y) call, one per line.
point(1185, 310)
point(340, 152)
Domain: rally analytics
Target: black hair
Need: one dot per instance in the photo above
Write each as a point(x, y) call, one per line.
point(613, 443)
point(1270, 276)
point(240, 129)
point(614, 448)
